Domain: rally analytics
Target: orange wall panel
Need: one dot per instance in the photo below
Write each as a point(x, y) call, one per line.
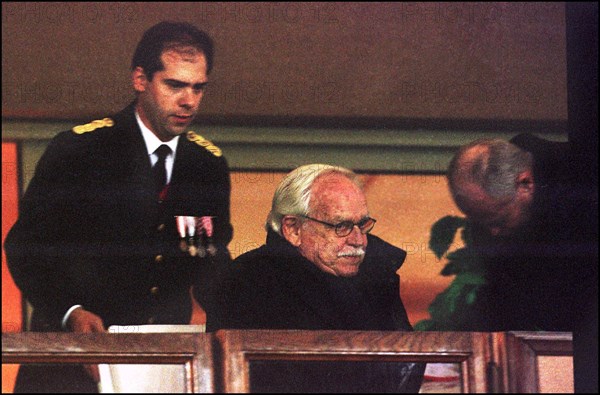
point(405, 208)
point(11, 297)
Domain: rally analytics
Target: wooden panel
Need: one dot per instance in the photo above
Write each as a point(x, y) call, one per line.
point(500, 61)
point(192, 351)
point(239, 348)
point(520, 357)
point(555, 374)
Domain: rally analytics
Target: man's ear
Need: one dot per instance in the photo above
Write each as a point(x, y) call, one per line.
point(290, 228)
point(139, 79)
point(525, 185)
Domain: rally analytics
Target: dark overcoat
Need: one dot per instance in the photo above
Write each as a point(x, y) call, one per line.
point(274, 287)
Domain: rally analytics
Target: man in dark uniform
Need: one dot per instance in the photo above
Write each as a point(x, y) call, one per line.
point(320, 270)
point(96, 243)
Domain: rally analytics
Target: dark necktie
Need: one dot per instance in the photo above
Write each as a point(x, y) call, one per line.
point(159, 171)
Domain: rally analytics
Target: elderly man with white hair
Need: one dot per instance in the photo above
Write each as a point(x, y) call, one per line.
point(320, 269)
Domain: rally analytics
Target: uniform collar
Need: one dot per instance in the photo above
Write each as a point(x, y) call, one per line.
point(153, 142)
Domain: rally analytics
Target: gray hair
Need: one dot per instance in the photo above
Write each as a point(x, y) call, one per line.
point(292, 196)
point(492, 164)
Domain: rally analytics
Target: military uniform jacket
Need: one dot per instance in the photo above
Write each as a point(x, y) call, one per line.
point(91, 230)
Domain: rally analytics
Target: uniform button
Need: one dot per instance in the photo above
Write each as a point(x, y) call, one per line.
point(161, 227)
point(151, 320)
point(158, 258)
point(154, 290)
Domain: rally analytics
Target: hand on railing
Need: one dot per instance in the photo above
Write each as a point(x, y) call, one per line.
point(83, 321)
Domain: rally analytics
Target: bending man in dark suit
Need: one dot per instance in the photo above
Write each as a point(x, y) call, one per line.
point(321, 270)
point(536, 221)
point(96, 242)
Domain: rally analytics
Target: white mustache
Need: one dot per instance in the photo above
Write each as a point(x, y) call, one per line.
point(353, 252)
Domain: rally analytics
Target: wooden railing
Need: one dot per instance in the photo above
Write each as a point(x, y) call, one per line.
point(221, 362)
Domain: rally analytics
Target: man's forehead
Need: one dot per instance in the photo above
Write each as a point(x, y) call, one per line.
point(333, 185)
point(187, 53)
point(335, 193)
point(178, 67)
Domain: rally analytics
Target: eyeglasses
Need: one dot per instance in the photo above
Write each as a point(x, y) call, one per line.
point(344, 228)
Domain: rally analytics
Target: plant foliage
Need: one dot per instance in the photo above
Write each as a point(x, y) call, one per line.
point(452, 309)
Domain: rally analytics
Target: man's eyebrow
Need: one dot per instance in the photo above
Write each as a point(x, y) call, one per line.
point(339, 220)
point(198, 85)
point(174, 81)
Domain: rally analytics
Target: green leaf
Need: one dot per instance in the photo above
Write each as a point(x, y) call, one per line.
point(459, 255)
point(443, 232)
point(451, 268)
point(464, 261)
point(467, 234)
point(470, 279)
point(425, 325)
point(471, 296)
point(452, 309)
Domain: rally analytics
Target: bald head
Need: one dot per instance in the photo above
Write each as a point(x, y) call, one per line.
point(492, 183)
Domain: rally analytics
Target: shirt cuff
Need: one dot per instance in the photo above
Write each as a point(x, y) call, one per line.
point(68, 313)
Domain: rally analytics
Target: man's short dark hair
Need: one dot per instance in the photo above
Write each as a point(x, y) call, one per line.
point(170, 34)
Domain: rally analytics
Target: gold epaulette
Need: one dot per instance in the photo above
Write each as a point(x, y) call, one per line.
point(89, 127)
point(202, 142)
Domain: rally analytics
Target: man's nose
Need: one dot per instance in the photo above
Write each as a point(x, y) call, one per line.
point(356, 238)
point(188, 98)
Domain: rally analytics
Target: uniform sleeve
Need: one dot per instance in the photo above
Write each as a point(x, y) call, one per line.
point(40, 243)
